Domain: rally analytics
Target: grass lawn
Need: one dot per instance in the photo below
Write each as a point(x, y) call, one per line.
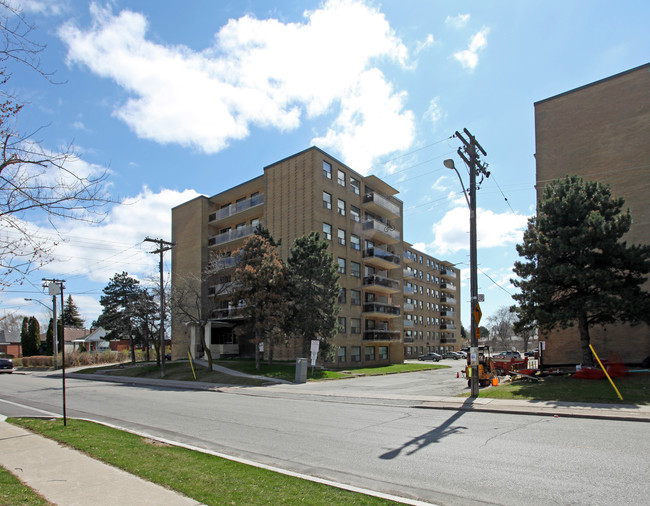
point(635, 389)
point(182, 371)
point(13, 491)
point(287, 371)
point(205, 478)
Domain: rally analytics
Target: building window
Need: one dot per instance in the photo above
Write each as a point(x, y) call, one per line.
point(341, 354)
point(355, 242)
point(341, 177)
point(355, 213)
point(327, 200)
point(327, 170)
point(409, 350)
point(341, 236)
point(327, 231)
point(355, 269)
point(370, 353)
point(342, 296)
point(342, 326)
point(355, 354)
point(341, 207)
point(383, 353)
point(355, 185)
point(254, 223)
point(355, 325)
point(341, 265)
point(355, 297)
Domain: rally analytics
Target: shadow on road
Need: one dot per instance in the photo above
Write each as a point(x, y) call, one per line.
point(433, 436)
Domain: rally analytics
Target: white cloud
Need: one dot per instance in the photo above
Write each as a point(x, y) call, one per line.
point(468, 58)
point(434, 113)
point(493, 230)
point(46, 7)
point(458, 21)
point(98, 251)
point(258, 72)
point(371, 123)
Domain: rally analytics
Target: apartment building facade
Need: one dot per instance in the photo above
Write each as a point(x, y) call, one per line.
point(600, 131)
point(362, 219)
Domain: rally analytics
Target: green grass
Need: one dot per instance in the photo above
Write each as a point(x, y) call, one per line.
point(181, 371)
point(204, 478)
point(635, 389)
point(287, 371)
point(13, 491)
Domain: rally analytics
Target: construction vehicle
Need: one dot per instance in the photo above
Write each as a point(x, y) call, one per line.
point(485, 371)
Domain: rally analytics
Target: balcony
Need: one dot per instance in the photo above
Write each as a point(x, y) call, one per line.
point(408, 307)
point(408, 257)
point(408, 339)
point(448, 300)
point(448, 314)
point(380, 258)
point(232, 235)
point(231, 313)
point(378, 204)
point(222, 289)
point(379, 284)
point(378, 309)
point(447, 326)
point(447, 340)
point(243, 209)
point(447, 286)
point(408, 289)
point(382, 335)
point(408, 324)
point(408, 273)
point(384, 232)
point(448, 273)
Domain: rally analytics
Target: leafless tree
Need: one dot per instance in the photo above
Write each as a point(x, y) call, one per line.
point(190, 303)
point(500, 325)
point(35, 183)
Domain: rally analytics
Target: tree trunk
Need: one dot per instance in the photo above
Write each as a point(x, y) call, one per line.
point(132, 346)
point(587, 357)
point(257, 341)
point(156, 347)
point(269, 352)
point(206, 349)
point(146, 340)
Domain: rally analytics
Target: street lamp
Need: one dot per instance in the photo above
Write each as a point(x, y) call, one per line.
point(471, 203)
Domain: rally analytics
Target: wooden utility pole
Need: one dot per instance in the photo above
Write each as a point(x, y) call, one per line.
point(162, 247)
point(468, 152)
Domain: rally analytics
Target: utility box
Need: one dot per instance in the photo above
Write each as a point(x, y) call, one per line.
point(301, 370)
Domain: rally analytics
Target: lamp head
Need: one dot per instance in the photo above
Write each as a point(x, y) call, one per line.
point(449, 163)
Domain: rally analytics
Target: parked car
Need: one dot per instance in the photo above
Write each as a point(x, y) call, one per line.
point(6, 365)
point(530, 353)
point(430, 356)
point(462, 354)
point(451, 354)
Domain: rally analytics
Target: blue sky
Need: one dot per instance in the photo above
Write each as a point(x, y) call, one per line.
point(178, 99)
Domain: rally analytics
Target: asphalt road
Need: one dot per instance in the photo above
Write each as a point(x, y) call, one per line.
point(444, 457)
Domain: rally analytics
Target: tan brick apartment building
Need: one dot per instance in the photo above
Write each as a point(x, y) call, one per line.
point(601, 131)
point(396, 302)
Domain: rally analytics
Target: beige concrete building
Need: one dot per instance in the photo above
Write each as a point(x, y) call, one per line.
point(385, 283)
point(600, 131)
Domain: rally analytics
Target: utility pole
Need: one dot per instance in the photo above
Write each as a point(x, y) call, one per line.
point(55, 287)
point(162, 247)
point(468, 152)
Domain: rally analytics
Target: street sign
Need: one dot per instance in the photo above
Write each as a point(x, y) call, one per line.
point(477, 314)
point(478, 333)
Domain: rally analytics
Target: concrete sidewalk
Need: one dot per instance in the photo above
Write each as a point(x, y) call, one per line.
point(68, 477)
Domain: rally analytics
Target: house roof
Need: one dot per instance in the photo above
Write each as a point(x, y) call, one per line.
point(95, 336)
point(7, 337)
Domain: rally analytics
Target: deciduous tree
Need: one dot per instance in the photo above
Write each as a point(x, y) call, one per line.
point(261, 280)
point(577, 269)
point(500, 325)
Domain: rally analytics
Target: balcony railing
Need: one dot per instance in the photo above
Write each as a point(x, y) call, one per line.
point(384, 230)
point(408, 289)
point(447, 326)
point(223, 289)
point(408, 339)
point(231, 235)
point(382, 256)
point(380, 203)
point(448, 300)
point(385, 309)
point(447, 340)
point(447, 286)
point(449, 314)
point(238, 207)
point(408, 307)
point(409, 257)
point(382, 335)
point(448, 273)
point(379, 281)
point(408, 323)
point(229, 313)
